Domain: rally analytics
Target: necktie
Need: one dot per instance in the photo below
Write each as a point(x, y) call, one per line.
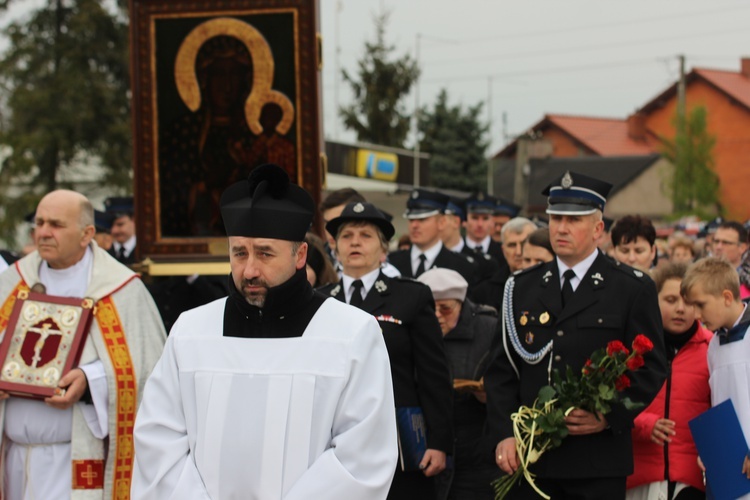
point(356, 299)
point(121, 253)
point(420, 267)
point(479, 250)
point(567, 288)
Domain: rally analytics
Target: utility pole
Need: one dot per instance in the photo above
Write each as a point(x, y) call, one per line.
point(490, 176)
point(681, 94)
point(337, 71)
point(416, 119)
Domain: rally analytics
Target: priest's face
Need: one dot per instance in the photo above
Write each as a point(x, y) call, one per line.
point(261, 263)
point(61, 231)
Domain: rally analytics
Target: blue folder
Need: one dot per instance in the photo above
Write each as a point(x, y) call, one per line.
point(722, 447)
point(412, 436)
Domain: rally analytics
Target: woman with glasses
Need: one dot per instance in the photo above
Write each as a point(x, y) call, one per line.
point(468, 330)
point(406, 312)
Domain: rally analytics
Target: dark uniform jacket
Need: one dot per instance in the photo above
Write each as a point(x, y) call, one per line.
point(446, 259)
point(612, 302)
point(490, 291)
point(405, 311)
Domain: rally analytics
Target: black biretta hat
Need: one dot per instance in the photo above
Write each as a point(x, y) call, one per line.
point(576, 194)
point(267, 205)
point(361, 211)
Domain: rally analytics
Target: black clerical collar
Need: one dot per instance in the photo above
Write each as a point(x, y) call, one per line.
point(281, 300)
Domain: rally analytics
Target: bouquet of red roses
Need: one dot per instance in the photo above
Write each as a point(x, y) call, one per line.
point(542, 427)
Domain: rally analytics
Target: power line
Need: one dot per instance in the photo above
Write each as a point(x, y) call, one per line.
point(579, 48)
point(537, 34)
point(545, 71)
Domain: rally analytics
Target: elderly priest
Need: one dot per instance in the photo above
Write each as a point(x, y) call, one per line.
point(275, 391)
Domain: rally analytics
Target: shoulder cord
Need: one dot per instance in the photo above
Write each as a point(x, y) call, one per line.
point(509, 331)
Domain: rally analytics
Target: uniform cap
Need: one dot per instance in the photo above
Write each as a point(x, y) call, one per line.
point(481, 203)
point(423, 203)
point(103, 221)
point(505, 207)
point(119, 205)
point(576, 194)
point(445, 284)
point(456, 206)
point(361, 211)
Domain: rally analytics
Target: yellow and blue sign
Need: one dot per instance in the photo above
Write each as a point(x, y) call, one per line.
point(377, 165)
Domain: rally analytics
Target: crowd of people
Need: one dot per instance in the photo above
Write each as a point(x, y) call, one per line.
point(355, 366)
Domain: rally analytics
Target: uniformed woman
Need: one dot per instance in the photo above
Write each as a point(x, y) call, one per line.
point(405, 310)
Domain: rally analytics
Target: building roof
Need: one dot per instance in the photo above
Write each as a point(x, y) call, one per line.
point(617, 170)
point(732, 83)
point(600, 136)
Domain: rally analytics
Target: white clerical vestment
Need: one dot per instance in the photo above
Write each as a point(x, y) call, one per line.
point(729, 378)
point(308, 417)
point(46, 447)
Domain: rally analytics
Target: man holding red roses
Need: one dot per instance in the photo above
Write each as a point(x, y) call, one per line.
point(555, 316)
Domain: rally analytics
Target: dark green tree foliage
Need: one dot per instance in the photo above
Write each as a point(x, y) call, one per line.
point(456, 140)
point(695, 185)
point(64, 81)
point(378, 114)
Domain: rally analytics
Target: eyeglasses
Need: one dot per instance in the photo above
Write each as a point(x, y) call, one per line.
point(725, 242)
point(445, 309)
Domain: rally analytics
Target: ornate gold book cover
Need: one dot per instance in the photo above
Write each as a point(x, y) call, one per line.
point(43, 342)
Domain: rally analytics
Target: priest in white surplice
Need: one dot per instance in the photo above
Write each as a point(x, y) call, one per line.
point(79, 445)
point(275, 391)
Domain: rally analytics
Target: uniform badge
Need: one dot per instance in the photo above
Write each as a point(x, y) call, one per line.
point(335, 290)
point(380, 286)
point(597, 278)
point(415, 194)
point(358, 208)
point(547, 276)
point(524, 319)
point(529, 338)
point(567, 181)
point(544, 317)
point(638, 273)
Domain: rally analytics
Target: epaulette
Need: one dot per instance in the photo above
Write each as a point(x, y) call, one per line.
point(407, 279)
point(528, 270)
point(634, 273)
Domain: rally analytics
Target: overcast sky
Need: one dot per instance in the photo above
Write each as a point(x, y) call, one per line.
point(531, 57)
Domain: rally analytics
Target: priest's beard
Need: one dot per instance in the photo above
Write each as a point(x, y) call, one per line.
point(255, 298)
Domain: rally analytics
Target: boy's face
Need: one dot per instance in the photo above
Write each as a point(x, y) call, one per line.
point(713, 310)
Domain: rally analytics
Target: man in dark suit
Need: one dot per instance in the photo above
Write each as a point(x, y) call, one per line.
point(425, 210)
point(561, 312)
point(123, 228)
point(479, 226)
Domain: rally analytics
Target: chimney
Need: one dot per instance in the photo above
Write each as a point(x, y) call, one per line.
point(745, 68)
point(637, 126)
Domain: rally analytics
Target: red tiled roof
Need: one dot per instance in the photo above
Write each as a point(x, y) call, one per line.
point(604, 136)
point(733, 83)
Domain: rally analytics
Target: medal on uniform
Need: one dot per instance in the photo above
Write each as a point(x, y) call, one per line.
point(544, 317)
point(529, 338)
point(524, 319)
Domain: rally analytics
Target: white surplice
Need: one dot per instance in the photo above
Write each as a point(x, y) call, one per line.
point(295, 418)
